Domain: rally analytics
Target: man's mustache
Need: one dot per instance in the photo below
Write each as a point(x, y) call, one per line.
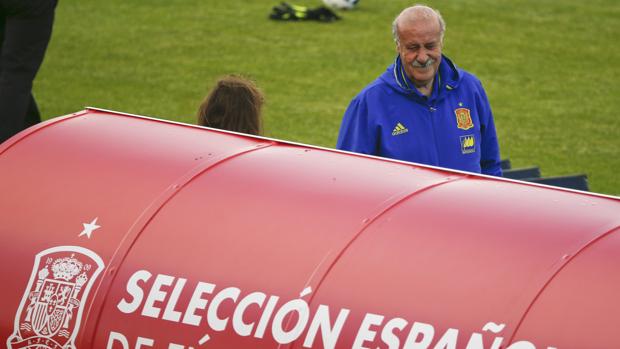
point(426, 64)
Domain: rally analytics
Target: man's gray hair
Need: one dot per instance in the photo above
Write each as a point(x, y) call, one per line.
point(419, 11)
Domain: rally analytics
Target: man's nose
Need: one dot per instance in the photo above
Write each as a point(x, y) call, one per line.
point(422, 57)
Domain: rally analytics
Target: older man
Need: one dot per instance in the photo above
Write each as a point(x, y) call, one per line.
point(423, 108)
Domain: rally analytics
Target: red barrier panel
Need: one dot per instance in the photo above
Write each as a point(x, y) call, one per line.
point(120, 231)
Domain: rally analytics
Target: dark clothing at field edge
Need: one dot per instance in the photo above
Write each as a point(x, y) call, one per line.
point(25, 30)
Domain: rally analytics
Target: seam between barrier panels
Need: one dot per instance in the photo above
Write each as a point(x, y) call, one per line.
point(371, 221)
point(140, 224)
point(567, 260)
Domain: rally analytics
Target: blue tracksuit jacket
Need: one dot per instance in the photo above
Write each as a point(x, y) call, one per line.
point(452, 128)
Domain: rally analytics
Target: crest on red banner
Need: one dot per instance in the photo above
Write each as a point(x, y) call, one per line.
point(51, 309)
point(463, 119)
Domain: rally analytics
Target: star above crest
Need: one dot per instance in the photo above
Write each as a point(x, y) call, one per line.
point(89, 228)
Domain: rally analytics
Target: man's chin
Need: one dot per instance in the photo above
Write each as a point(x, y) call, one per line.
point(423, 79)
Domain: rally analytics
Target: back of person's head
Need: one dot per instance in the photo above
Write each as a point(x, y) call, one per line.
point(234, 104)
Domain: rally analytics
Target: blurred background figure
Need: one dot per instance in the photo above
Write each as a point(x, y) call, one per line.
point(25, 30)
point(234, 104)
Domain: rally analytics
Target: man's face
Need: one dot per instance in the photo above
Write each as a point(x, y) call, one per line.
point(419, 48)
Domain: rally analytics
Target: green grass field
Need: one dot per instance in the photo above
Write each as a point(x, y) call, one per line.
point(551, 68)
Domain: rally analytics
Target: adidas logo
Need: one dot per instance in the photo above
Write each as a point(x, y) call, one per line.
point(399, 130)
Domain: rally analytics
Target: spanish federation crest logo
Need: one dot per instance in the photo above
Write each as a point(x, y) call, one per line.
point(463, 118)
point(51, 309)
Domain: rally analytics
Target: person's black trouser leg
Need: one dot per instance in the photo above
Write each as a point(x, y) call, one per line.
point(24, 37)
